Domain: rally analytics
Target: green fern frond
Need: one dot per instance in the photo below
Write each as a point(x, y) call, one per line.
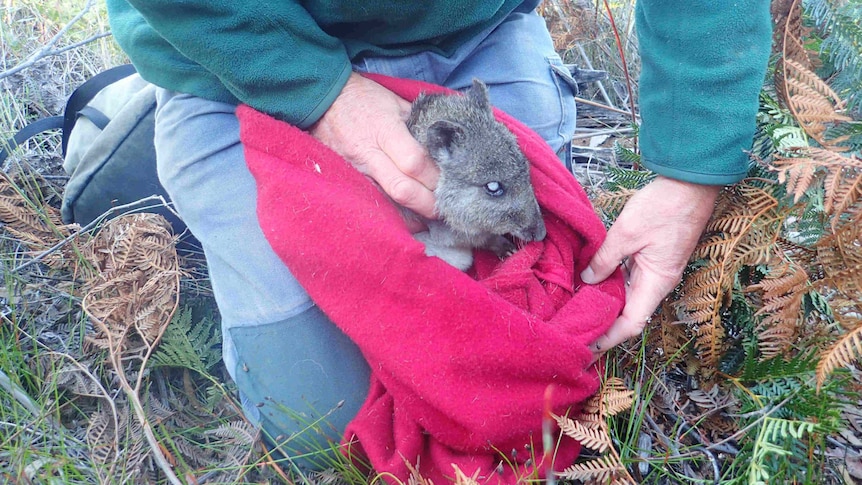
point(755, 370)
point(772, 444)
point(841, 29)
point(775, 389)
point(214, 395)
point(786, 138)
point(626, 157)
point(809, 224)
point(849, 134)
point(624, 178)
point(189, 344)
point(776, 130)
point(789, 384)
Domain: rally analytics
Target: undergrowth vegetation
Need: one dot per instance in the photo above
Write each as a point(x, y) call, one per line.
point(766, 327)
point(110, 359)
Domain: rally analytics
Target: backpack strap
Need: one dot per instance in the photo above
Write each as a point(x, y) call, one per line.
point(85, 93)
point(95, 116)
point(76, 106)
point(29, 131)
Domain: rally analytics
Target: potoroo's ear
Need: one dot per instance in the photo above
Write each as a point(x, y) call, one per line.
point(479, 93)
point(441, 139)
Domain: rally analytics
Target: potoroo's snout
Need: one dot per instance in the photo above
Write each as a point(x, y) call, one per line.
point(535, 232)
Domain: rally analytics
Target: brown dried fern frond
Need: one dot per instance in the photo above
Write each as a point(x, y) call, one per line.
point(672, 335)
point(711, 400)
point(613, 399)
point(120, 460)
point(743, 231)
point(782, 291)
point(591, 430)
point(846, 350)
point(102, 438)
point(814, 105)
point(135, 292)
point(32, 222)
point(789, 30)
point(592, 421)
point(840, 257)
point(841, 178)
point(796, 173)
point(611, 202)
point(24, 213)
point(131, 300)
point(235, 443)
point(598, 470)
point(415, 477)
point(461, 478)
point(845, 192)
point(595, 438)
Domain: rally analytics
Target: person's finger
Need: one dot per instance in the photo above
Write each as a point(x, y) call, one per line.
point(607, 258)
point(621, 330)
point(643, 296)
point(409, 156)
point(404, 190)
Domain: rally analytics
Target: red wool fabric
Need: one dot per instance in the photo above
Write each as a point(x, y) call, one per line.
point(460, 362)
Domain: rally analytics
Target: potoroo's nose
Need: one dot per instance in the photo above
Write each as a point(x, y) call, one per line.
point(535, 232)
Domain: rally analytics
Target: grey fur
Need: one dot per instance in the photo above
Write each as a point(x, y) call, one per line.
point(476, 154)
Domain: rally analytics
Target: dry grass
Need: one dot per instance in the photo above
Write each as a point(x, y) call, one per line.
point(67, 408)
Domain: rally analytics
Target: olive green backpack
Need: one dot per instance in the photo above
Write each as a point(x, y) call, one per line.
point(107, 145)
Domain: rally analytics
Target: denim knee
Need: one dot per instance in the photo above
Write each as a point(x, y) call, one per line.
point(303, 380)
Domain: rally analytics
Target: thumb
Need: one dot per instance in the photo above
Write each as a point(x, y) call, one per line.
point(606, 259)
point(410, 156)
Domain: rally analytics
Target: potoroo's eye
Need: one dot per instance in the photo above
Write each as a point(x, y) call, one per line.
point(494, 189)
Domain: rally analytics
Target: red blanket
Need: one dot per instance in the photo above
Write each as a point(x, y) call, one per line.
point(460, 362)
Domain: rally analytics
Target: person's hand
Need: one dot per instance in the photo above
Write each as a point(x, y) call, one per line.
point(655, 235)
point(367, 126)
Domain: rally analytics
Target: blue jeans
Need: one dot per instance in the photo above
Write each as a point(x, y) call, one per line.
point(291, 364)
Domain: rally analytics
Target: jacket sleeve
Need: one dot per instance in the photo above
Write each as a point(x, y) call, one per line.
point(703, 65)
point(270, 55)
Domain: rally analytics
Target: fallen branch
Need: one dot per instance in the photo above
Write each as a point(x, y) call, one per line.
point(603, 106)
point(568, 26)
point(46, 50)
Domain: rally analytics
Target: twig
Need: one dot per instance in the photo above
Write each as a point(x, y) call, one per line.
point(269, 461)
point(843, 447)
point(547, 437)
point(625, 66)
point(93, 224)
point(589, 64)
point(674, 449)
point(600, 105)
point(45, 50)
point(35, 431)
point(85, 371)
point(617, 131)
point(764, 413)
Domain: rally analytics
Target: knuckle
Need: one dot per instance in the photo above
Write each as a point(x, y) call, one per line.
point(401, 191)
point(411, 166)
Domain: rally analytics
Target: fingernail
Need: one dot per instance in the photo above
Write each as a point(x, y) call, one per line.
point(588, 276)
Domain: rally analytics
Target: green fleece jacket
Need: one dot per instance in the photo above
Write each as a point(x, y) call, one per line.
point(703, 61)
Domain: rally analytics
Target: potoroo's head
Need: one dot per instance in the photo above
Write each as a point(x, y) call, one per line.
point(484, 184)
